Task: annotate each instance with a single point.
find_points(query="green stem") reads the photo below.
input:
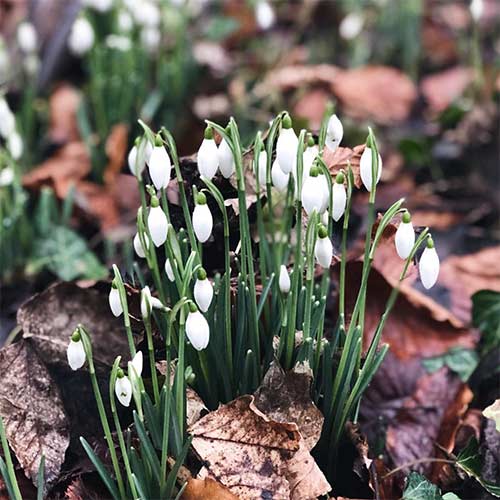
(8, 460)
(152, 365)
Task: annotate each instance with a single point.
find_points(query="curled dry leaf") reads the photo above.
(32, 411)
(341, 158)
(206, 489)
(116, 150)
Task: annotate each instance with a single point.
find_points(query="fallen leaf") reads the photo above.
(206, 489)
(311, 106)
(341, 158)
(63, 107)
(32, 411)
(116, 150)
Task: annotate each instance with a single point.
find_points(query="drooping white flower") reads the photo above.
(208, 155)
(323, 249)
(27, 38)
(15, 145)
(7, 119)
(226, 160)
(365, 168)
(81, 38)
(139, 250)
(203, 291)
(169, 270)
(124, 21)
(339, 197)
(324, 218)
(197, 329)
(262, 167)
(76, 352)
(284, 280)
(136, 364)
(6, 176)
(313, 193)
(334, 133)
(146, 13)
(146, 305)
(123, 388)
(264, 14)
(279, 178)
(476, 9)
(325, 200)
(405, 236)
(157, 223)
(202, 219)
(115, 304)
(351, 25)
(310, 154)
(286, 146)
(150, 38)
(139, 155)
(429, 265)
(119, 42)
(160, 167)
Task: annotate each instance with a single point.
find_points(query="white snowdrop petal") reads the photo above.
(203, 293)
(123, 390)
(202, 222)
(429, 267)
(197, 330)
(325, 193)
(339, 200)
(286, 150)
(15, 145)
(313, 195)
(145, 302)
(114, 302)
(139, 250)
(323, 251)
(226, 160)
(334, 133)
(284, 280)
(156, 303)
(208, 158)
(138, 156)
(150, 38)
(27, 37)
(262, 167)
(81, 37)
(365, 168)
(158, 225)
(137, 363)
(75, 354)
(324, 218)
(264, 14)
(404, 239)
(279, 178)
(7, 119)
(169, 271)
(159, 167)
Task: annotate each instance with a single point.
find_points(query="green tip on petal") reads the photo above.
(113, 284)
(406, 217)
(202, 274)
(76, 337)
(314, 172)
(209, 133)
(158, 140)
(119, 373)
(322, 231)
(137, 140)
(310, 140)
(155, 202)
(287, 121)
(340, 178)
(201, 199)
(430, 242)
(192, 307)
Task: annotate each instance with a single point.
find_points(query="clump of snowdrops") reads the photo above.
(221, 332)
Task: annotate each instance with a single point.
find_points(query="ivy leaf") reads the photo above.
(459, 360)
(419, 488)
(486, 316)
(493, 412)
(469, 460)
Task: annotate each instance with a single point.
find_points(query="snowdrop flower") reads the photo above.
(405, 236)
(7, 119)
(139, 249)
(150, 38)
(429, 265)
(119, 42)
(139, 155)
(262, 167)
(350, 27)
(339, 197)
(323, 249)
(99, 5)
(146, 305)
(286, 146)
(324, 218)
(202, 219)
(325, 199)
(313, 193)
(208, 155)
(26, 37)
(284, 280)
(76, 352)
(476, 9)
(169, 270)
(123, 388)
(365, 168)
(15, 145)
(124, 21)
(160, 166)
(6, 176)
(226, 160)
(81, 38)
(197, 329)
(203, 291)
(308, 157)
(279, 178)
(334, 133)
(115, 304)
(157, 222)
(146, 13)
(264, 14)
(135, 366)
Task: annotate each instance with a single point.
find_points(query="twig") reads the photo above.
(416, 462)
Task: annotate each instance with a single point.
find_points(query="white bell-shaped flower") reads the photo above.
(334, 133)
(208, 155)
(169, 270)
(323, 249)
(157, 223)
(203, 291)
(81, 37)
(15, 145)
(313, 193)
(139, 250)
(202, 219)
(7, 119)
(350, 27)
(150, 38)
(146, 12)
(115, 304)
(365, 168)
(226, 160)
(137, 364)
(27, 38)
(324, 218)
(325, 200)
(339, 197)
(146, 305)
(262, 167)
(160, 167)
(279, 178)
(124, 21)
(476, 9)
(197, 329)
(284, 280)
(264, 14)
(138, 155)
(405, 236)
(429, 265)
(76, 352)
(123, 388)
(286, 146)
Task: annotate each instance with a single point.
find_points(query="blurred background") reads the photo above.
(76, 76)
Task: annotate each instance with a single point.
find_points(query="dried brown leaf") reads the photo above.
(206, 489)
(341, 158)
(63, 106)
(32, 411)
(116, 150)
